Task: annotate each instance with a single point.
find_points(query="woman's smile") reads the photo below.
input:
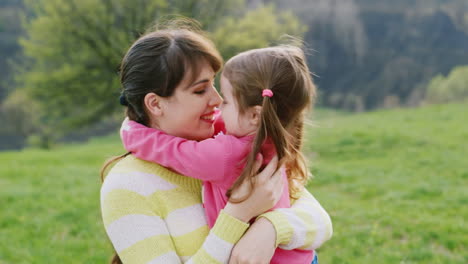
(208, 117)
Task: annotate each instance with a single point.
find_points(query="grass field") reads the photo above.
(394, 183)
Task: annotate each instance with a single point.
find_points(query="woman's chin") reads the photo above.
(203, 134)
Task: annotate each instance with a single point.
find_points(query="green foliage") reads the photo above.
(239, 34)
(452, 88)
(21, 117)
(10, 29)
(19, 114)
(75, 47)
(394, 183)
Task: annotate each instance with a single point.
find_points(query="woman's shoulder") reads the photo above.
(145, 177)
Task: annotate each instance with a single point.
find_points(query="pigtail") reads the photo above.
(281, 76)
(270, 128)
(296, 164)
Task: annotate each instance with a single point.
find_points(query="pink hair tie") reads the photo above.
(267, 92)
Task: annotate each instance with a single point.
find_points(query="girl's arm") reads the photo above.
(205, 160)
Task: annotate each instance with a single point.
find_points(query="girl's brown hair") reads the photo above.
(156, 63)
(283, 70)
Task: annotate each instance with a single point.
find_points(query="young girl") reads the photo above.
(266, 93)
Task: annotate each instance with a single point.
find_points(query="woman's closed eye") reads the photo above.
(199, 91)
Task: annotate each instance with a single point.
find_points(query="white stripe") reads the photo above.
(300, 231)
(216, 247)
(130, 229)
(179, 224)
(139, 182)
(318, 214)
(170, 257)
(319, 218)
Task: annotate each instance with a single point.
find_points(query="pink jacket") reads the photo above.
(217, 161)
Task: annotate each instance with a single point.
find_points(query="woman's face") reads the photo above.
(189, 112)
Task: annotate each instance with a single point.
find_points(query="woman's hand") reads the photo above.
(265, 194)
(257, 245)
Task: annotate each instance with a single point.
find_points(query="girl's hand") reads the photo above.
(257, 245)
(266, 193)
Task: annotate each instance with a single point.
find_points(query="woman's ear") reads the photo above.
(255, 113)
(153, 103)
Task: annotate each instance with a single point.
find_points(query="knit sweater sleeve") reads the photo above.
(206, 160)
(306, 225)
(144, 231)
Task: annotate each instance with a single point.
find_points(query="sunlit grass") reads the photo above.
(394, 183)
(50, 204)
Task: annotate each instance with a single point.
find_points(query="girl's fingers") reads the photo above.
(258, 162)
(276, 177)
(266, 173)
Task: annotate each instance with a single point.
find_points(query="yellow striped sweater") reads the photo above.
(153, 215)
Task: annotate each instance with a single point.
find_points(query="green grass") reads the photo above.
(50, 204)
(394, 183)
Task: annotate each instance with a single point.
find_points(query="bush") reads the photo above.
(452, 88)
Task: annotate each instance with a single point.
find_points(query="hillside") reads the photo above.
(392, 181)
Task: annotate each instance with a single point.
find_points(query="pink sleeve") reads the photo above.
(205, 160)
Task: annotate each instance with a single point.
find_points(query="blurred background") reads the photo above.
(388, 146)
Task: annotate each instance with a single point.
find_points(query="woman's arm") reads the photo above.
(306, 225)
(139, 233)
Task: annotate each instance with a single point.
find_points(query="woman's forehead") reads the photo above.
(202, 72)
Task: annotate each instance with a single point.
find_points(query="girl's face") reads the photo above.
(237, 124)
(189, 112)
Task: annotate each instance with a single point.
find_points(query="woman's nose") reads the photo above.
(216, 99)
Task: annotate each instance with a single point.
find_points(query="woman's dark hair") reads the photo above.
(158, 61)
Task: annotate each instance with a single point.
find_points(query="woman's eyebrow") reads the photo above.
(198, 82)
(201, 81)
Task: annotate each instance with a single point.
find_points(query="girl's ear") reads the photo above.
(255, 113)
(153, 104)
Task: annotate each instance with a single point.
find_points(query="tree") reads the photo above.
(73, 48)
(452, 88)
(236, 34)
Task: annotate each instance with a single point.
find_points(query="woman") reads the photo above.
(154, 215)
